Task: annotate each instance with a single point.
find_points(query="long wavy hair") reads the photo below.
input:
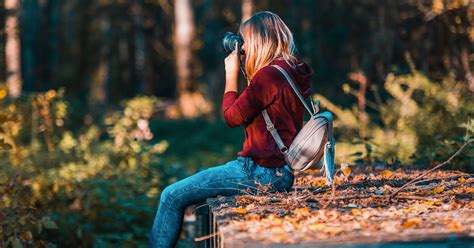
(267, 38)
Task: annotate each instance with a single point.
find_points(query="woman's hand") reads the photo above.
(232, 70)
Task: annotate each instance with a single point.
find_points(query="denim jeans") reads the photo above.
(239, 176)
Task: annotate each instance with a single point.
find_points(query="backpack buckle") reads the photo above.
(329, 145)
(270, 127)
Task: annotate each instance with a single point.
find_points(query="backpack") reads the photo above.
(313, 142)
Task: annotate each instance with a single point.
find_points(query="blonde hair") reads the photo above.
(267, 38)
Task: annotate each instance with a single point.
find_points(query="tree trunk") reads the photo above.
(183, 35)
(247, 8)
(100, 84)
(139, 42)
(29, 48)
(191, 103)
(52, 46)
(12, 48)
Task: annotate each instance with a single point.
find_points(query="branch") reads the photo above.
(434, 168)
(206, 236)
(333, 193)
(362, 196)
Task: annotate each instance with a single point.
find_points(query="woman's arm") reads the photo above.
(261, 92)
(231, 70)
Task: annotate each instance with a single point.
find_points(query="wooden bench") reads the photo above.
(235, 222)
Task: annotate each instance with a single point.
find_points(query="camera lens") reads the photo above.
(229, 40)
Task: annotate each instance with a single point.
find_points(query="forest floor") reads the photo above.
(363, 206)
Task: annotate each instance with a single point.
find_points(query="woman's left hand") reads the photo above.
(232, 62)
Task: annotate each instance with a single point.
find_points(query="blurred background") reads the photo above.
(104, 103)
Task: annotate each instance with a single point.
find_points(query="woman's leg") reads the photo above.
(234, 177)
(228, 179)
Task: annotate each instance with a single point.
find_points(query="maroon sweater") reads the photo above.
(269, 89)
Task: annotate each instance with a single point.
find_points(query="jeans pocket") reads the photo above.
(279, 179)
(284, 180)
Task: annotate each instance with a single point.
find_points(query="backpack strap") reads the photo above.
(274, 132)
(290, 81)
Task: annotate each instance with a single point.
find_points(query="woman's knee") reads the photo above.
(168, 194)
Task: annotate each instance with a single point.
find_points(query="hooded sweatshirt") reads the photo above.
(269, 90)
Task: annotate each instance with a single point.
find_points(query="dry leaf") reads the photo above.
(346, 169)
(27, 235)
(438, 190)
(356, 211)
(386, 174)
(455, 226)
(317, 227)
(411, 223)
(251, 217)
(250, 206)
(334, 230)
(239, 210)
(318, 183)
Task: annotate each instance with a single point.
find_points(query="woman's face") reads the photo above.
(244, 46)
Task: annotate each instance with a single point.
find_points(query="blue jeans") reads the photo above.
(231, 178)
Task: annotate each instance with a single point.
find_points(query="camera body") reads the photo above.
(229, 40)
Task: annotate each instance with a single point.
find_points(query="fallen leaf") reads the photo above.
(317, 227)
(251, 217)
(239, 210)
(411, 223)
(438, 190)
(318, 183)
(346, 170)
(301, 212)
(356, 211)
(386, 174)
(250, 206)
(455, 226)
(334, 230)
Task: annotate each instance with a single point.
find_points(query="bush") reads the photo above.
(422, 122)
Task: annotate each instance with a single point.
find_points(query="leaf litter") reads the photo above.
(360, 207)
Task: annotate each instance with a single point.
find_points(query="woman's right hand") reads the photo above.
(232, 63)
(231, 70)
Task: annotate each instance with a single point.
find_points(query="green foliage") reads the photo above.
(20, 224)
(422, 122)
(100, 182)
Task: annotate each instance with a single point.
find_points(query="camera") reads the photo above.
(229, 40)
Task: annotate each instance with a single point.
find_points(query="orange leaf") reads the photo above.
(335, 230)
(316, 227)
(250, 206)
(346, 169)
(455, 226)
(239, 210)
(318, 183)
(251, 217)
(386, 174)
(356, 211)
(411, 223)
(438, 190)
(27, 235)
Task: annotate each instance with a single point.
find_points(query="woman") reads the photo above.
(267, 41)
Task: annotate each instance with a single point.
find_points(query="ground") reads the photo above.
(360, 208)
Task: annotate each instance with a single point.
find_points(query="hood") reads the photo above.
(301, 74)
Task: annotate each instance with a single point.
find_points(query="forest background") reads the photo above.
(104, 103)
